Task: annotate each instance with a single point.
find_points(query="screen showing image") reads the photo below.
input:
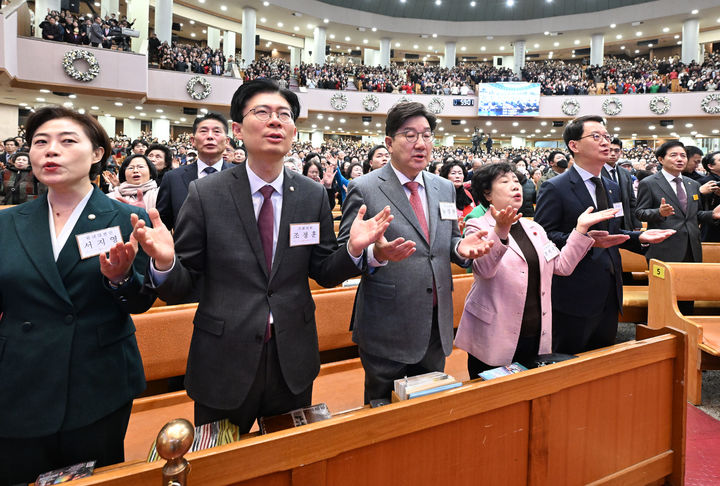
(508, 99)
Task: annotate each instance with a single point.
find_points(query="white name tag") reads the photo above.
(550, 251)
(448, 210)
(618, 205)
(304, 234)
(96, 242)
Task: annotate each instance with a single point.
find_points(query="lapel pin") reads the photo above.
(91, 217)
(292, 188)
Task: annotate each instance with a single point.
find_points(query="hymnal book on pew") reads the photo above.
(425, 384)
(502, 371)
(70, 473)
(208, 435)
(294, 418)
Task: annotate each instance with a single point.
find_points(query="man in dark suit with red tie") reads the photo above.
(254, 233)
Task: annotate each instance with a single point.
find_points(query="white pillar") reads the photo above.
(303, 137)
(249, 16)
(131, 128)
(229, 44)
(517, 142)
(163, 20)
(319, 46)
(295, 55)
(448, 140)
(41, 8)
(307, 50)
(690, 46)
(518, 56)
(317, 138)
(140, 11)
(108, 123)
(161, 129)
(597, 49)
(370, 57)
(213, 38)
(449, 55)
(108, 7)
(9, 121)
(384, 59)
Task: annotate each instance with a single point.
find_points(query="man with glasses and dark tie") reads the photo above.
(403, 317)
(251, 237)
(586, 303)
(670, 200)
(622, 178)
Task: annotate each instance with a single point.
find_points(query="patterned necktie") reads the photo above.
(601, 200)
(417, 206)
(681, 194)
(209, 170)
(612, 174)
(266, 220)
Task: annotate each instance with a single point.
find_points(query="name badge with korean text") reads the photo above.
(550, 251)
(302, 234)
(96, 242)
(620, 213)
(448, 211)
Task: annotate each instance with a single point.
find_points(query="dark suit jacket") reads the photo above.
(560, 201)
(710, 231)
(394, 305)
(217, 237)
(650, 191)
(627, 194)
(174, 189)
(68, 354)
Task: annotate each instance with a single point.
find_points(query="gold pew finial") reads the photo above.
(173, 441)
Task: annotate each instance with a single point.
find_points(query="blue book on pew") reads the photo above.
(430, 391)
(502, 371)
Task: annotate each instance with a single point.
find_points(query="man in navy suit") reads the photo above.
(209, 138)
(586, 303)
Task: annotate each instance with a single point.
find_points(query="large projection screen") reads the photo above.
(508, 99)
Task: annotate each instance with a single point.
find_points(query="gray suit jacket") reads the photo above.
(627, 195)
(96, 33)
(217, 237)
(650, 191)
(394, 304)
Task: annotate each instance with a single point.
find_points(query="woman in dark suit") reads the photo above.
(69, 362)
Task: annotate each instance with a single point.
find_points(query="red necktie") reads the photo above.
(417, 206)
(265, 227)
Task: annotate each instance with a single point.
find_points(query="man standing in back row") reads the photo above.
(403, 316)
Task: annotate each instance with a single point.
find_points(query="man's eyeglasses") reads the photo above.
(599, 136)
(412, 136)
(263, 113)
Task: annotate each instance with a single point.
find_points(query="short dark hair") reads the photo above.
(311, 156)
(662, 151)
(709, 160)
(552, 155)
(574, 129)
(257, 86)
(483, 179)
(691, 150)
(19, 154)
(310, 163)
(164, 149)
(616, 141)
(352, 166)
(130, 158)
(138, 142)
(94, 131)
(210, 116)
(445, 169)
(11, 139)
(401, 112)
(372, 151)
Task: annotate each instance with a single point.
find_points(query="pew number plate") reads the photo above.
(658, 271)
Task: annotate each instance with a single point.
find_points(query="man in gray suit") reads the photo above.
(622, 178)
(96, 33)
(403, 317)
(254, 233)
(669, 200)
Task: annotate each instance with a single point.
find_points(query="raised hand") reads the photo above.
(666, 209)
(116, 265)
(656, 235)
(111, 179)
(138, 203)
(364, 232)
(328, 177)
(504, 219)
(474, 246)
(588, 218)
(603, 239)
(156, 241)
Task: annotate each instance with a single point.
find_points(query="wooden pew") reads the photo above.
(612, 416)
(5, 206)
(670, 282)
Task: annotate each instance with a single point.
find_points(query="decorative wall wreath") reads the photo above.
(371, 102)
(436, 105)
(403, 99)
(612, 106)
(711, 104)
(68, 63)
(660, 105)
(571, 107)
(339, 101)
(201, 94)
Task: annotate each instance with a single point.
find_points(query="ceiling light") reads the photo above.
(638, 33)
(637, 51)
(342, 120)
(463, 48)
(192, 34)
(547, 32)
(556, 44)
(676, 36)
(203, 111)
(622, 48)
(327, 127)
(415, 46)
(263, 19)
(716, 131)
(131, 117)
(374, 29)
(472, 4)
(397, 44)
(576, 41)
(296, 28)
(365, 41)
(280, 24)
(510, 3)
(81, 111)
(515, 124)
(694, 132)
(617, 129)
(94, 107)
(502, 48)
(670, 127)
(44, 90)
(612, 26)
(192, 22)
(679, 43)
(694, 11)
(223, 8)
(159, 110)
(688, 125)
(310, 26)
(651, 127)
(619, 36)
(108, 115)
(438, 2)
(378, 125)
(117, 103)
(347, 38)
(331, 118)
(72, 96)
(434, 36)
(543, 124)
(143, 114)
(488, 123)
(67, 104)
(522, 131)
(494, 130)
(325, 21)
(666, 29)
(182, 119)
(320, 116)
(40, 99)
(266, 4)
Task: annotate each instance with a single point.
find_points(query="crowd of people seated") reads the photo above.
(189, 58)
(96, 31)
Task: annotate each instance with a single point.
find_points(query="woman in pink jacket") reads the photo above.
(507, 315)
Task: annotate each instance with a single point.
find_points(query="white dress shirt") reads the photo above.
(202, 165)
(58, 242)
(671, 179)
(590, 185)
